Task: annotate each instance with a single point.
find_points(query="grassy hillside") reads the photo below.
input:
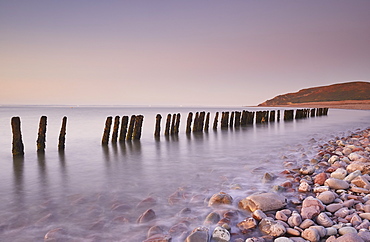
(336, 92)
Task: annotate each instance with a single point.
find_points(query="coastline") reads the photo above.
(349, 104)
(325, 199)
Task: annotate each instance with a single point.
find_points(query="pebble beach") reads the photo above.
(324, 199)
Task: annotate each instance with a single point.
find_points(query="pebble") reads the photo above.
(295, 219)
(263, 201)
(306, 223)
(347, 230)
(365, 216)
(336, 183)
(220, 199)
(339, 173)
(283, 239)
(311, 235)
(324, 220)
(326, 197)
(351, 237)
(198, 234)
(311, 207)
(321, 178)
(271, 227)
(221, 234)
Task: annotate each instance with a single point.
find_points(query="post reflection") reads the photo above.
(18, 169)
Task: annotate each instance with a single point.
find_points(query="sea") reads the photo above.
(95, 192)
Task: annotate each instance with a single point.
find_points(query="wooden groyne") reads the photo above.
(131, 129)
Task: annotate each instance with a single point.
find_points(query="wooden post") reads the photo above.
(115, 129)
(258, 117)
(326, 110)
(313, 112)
(250, 117)
(201, 121)
(131, 127)
(278, 116)
(123, 132)
(232, 119)
(196, 122)
(138, 127)
(272, 116)
(62, 135)
(108, 124)
(173, 123)
(243, 121)
(206, 126)
(215, 121)
(18, 148)
(177, 124)
(237, 118)
(288, 114)
(225, 120)
(168, 124)
(157, 131)
(41, 137)
(188, 122)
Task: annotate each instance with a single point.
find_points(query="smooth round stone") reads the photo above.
(311, 235)
(259, 215)
(304, 187)
(326, 197)
(365, 216)
(343, 212)
(333, 159)
(283, 239)
(320, 229)
(340, 173)
(333, 207)
(293, 232)
(307, 170)
(306, 224)
(351, 237)
(324, 220)
(336, 183)
(271, 227)
(331, 231)
(263, 202)
(220, 199)
(347, 230)
(295, 219)
(221, 234)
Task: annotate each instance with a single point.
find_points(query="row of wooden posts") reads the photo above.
(18, 147)
(132, 130)
(201, 122)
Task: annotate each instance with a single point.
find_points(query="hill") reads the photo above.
(332, 93)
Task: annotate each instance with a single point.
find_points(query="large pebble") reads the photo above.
(360, 181)
(311, 235)
(347, 230)
(220, 199)
(295, 219)
(324, 220)
(306, 224)
(336, 184)
(339, 173)
(307, 170)
(283, 239)
(363, 167)
(147, 216)
(365, 216)
(198, 235)
(311, 207)
(246, 224)
(352, 175)
(221, 234)
(351, 237)
(212, 218)
(334, 207)
(320, 178)
(326, 197)
(263, 202)
(271, 227)
(259, 215)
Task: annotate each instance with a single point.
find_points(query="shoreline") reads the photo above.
(349, 104)
(325, 199)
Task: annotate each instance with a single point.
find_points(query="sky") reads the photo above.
(193, 52)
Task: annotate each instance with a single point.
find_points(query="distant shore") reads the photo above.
(349, 104)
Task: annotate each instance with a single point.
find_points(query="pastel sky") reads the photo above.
(173, 52)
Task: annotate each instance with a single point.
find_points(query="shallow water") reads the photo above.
(91, 192)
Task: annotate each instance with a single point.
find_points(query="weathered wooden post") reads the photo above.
(225, 120)
(168, 124)
(196, 122)
(108, 124)
(188, 122)
(62, 135)
(177, 123)
(313, 112)
(157, 131)
(136, 135)
(173, 123)
(278, 116)
(115, 129)
(237, 118)
(123, 132)
(215, 121)
(131, 127)
(18, 148)
(258, 117)
(250, 117)
(201, 121)
(272, 116)
(288, 114)
(206, 125)
(41, 137)
(299, 114)
(232, 119)
(326, 110)
(243, 120)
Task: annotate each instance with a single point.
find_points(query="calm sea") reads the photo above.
(95, 193)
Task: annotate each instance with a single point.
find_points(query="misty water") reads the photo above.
(95, 193)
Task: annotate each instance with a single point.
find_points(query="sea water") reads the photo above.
(92, 192)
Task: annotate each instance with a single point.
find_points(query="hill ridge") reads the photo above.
(357, 90)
